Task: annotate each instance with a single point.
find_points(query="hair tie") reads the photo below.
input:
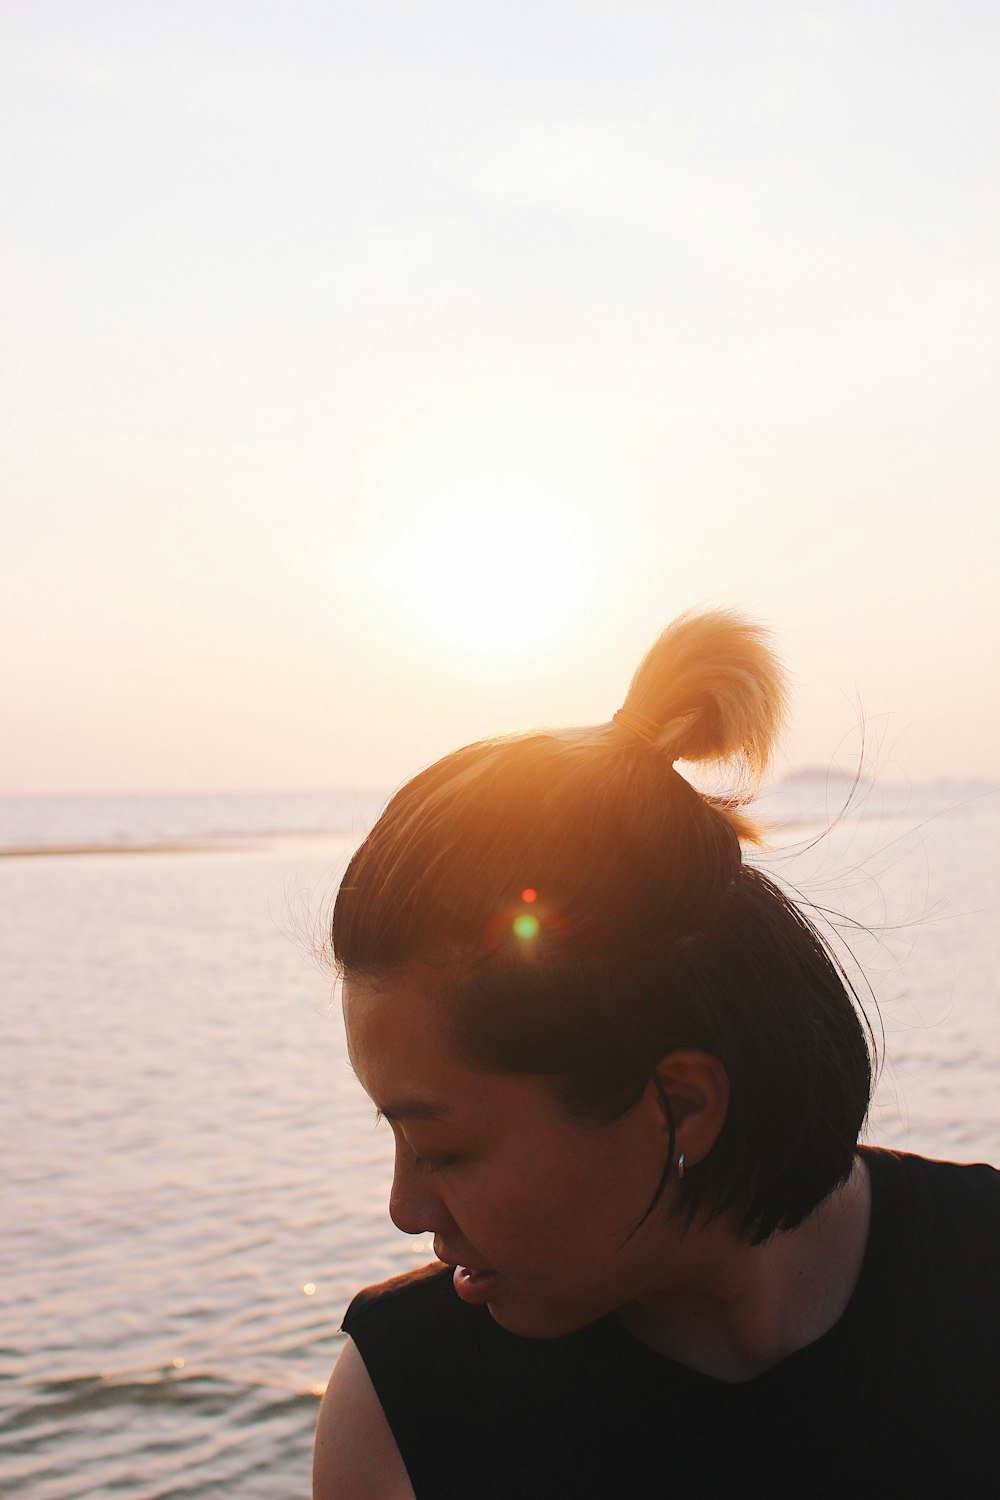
(638, 724)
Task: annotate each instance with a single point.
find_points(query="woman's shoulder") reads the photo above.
(416, 1293)
(972, 1185)
(391, 1326)
(416, 1355)
(941, 1219)
(394, 1321)
(355, 1452)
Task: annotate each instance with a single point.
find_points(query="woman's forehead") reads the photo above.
(407, 1066)
(397, 1046)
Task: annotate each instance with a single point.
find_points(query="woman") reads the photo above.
(626, 1082)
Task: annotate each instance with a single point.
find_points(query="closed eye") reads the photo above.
(431, 1164)
(426, 1164)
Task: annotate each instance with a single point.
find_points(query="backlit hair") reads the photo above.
(580, 910)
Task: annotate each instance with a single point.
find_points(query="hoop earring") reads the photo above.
(680, 1167)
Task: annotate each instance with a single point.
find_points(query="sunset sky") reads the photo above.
(382, 375)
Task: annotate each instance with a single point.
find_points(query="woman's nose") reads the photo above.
(414, 1207)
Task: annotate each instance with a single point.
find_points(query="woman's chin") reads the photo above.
(536, 1320)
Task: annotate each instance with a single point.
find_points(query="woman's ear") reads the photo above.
(697, 1086)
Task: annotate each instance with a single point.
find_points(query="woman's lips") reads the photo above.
(476, 1287)
(474, 1284)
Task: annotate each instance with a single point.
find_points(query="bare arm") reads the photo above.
(355, 1457)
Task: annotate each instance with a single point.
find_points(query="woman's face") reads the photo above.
(542, 1204)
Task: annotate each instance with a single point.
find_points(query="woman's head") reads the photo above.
(538, 1204)
(583, 913)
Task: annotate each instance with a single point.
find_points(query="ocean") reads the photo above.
(193, 1183)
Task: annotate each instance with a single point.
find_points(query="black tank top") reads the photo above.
(900, 1398)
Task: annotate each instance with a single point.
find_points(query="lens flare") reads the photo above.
(526, 926)
(529, 894)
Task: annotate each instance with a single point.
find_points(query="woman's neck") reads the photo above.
(746, 1307)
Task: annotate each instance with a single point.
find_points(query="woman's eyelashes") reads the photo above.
(431, 1164)
(426, 1162)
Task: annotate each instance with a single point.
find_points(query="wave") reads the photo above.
(201, 1392)
(157, 1435)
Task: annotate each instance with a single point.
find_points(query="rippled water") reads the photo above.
(193, 1187)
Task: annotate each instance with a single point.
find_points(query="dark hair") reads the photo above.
(582, 911)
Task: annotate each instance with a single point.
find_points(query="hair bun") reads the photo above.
(712, 686)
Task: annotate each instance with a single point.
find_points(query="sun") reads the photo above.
(492, 568)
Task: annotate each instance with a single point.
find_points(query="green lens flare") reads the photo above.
(526, 926)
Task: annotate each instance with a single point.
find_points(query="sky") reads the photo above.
(380, 376)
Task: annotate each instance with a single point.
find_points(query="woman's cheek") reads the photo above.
(489, 1211)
